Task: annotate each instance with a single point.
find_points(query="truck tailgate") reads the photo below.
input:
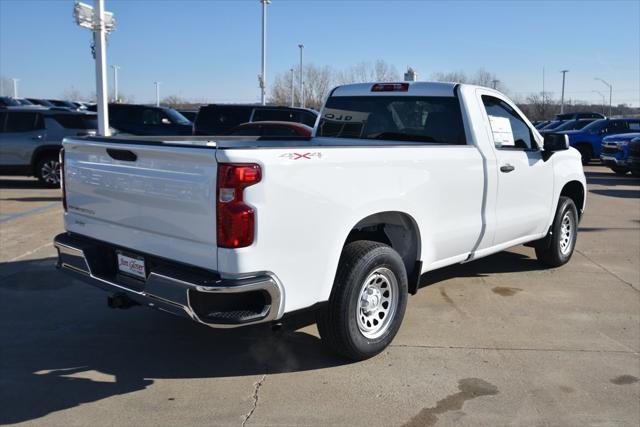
(155, 199)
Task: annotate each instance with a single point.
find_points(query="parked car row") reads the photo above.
(621, 153)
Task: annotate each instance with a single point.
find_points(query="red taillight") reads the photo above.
(235, 219)
(62, 187)
(390, 87)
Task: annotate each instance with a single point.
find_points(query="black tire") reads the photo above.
(554, 250)
(362, 264)
(586, 152)
(619, 171)
(48, 171)
(635, 173)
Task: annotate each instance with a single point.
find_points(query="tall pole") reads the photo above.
(610, 92)
(15, 87)
(263, 75)
(157, 93)
(101, 68)
(543, 96)
(292, 88)
(301, 82)
(494, 82)
(599, 93)
(115, 82)
(564, 72)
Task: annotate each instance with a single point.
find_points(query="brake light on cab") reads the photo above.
(235, 219)
(390, 87)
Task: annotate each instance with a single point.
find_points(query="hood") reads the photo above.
(621, 137)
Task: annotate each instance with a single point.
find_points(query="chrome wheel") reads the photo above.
(377, 303)
(566, 233)
(50, 172)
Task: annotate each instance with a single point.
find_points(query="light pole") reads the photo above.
(600, 93)
(495, 83)
(564, 72)
(100, 23)
(15, 87)
(157, 93)
(115, 82)
(301, 82)
(610, 92)
(292, 89)
(263, 76)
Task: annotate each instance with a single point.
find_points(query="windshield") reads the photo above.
(176, 117)
(400, 118)
(594, 126)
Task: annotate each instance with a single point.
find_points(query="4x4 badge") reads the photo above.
(298, 156)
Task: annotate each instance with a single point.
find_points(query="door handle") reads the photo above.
(507, 168)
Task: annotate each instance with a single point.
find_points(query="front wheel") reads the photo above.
(556, 249)
(367, 302)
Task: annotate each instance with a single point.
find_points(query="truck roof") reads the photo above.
(414, 89)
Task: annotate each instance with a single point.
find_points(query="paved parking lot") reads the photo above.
(496, 342)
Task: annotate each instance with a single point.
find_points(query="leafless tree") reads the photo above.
(380, 71)
(6, 86)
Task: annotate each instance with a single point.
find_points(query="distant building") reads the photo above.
(410, 75)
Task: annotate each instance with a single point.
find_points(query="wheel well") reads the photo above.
(586, 145)
(575, 191)
(398, 230)
(42, 152)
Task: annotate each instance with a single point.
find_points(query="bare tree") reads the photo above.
(317, 83)
(73, 94)
(6, 86)
(363, 72)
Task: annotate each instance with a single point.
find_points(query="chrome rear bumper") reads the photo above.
(201, 295)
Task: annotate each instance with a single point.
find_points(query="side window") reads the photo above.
(633, 126)
(508, 128)
(617, 127)
(21, 122)
(151, 117)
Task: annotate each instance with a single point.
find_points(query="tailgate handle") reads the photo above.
(124, 155)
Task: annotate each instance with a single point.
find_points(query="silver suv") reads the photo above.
(31, 138)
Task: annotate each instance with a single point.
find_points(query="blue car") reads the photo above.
(588, 140)
(615, 152)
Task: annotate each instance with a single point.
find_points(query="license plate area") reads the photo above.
(131, 265)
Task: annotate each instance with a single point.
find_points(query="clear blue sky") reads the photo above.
(210, 50)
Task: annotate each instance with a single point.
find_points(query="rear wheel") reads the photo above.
(556, 249)
(367, 302)
(48, 170)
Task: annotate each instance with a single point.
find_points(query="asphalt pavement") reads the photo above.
(499, 341)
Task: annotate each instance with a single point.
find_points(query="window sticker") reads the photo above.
(502, 133)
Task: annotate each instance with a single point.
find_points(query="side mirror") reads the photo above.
(554, 142)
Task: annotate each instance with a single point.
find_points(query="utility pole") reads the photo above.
(301, 82)
(292, 88)
(157, 93)
(100, 23)
(115, 83)
(495, 83)
(564, 72)
(263, 76)
(15, 87)
(610, 92)
(599, 93)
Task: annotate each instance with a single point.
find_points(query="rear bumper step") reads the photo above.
(176, 288)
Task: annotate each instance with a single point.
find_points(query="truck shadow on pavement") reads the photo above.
(62, 347)
(610, 179)
(20, 183)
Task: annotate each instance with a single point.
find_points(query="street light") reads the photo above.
(301, 46)
(495, 82)
(600, 93)
(157, 93)
(115, 82)
(610, 92)
(100, 23)
(262, 78)
(15, 87)
(564, 72)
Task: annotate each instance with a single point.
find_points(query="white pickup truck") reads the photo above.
(399, 179)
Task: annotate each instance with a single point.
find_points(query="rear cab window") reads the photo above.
(426, 119)
(77, 121)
